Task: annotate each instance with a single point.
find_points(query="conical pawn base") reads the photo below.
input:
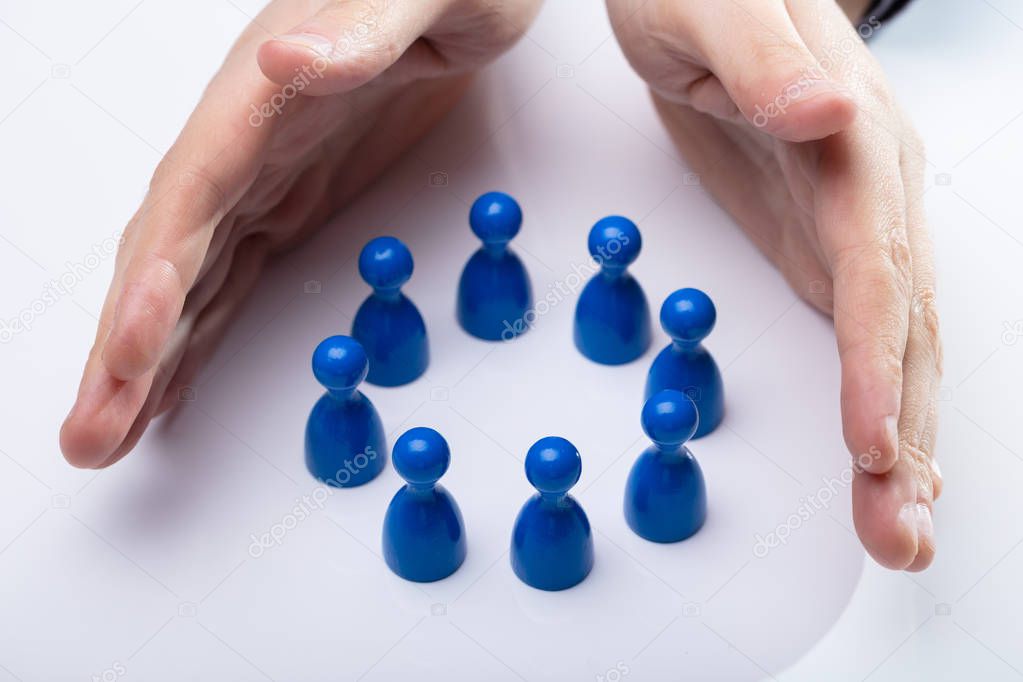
(423, 534)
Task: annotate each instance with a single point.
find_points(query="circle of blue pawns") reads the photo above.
(553, 465)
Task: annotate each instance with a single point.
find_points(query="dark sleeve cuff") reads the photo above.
(878, 13)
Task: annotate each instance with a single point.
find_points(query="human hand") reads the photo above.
(312, 102)
(789, 121)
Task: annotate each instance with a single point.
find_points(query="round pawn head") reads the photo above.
(553, 465)
(385, 263)
(688, 315)
(495, 218)
(339, 363)
(669, 418)
(421, 456)
(614, 241)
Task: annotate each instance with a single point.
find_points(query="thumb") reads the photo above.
(772, 76)
(347, 43)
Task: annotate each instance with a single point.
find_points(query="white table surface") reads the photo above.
(144, 572)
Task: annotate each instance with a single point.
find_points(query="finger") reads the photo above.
(893, 512)
(862, 224)
(146, 410)
(196, 340)
(923, 363)
(208, 167)
(214, 299)
(889, 521)
(102, 413)
(214, 320)
(348, 43)
(200, 179)
(722, 160)
(767, 70)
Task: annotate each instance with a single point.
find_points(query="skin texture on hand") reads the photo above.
(288, 131)
(789, 121)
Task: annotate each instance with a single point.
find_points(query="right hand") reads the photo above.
(790, 123)
(288, 131)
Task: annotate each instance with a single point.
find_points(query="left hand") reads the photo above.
(790, 123)
(315, 99)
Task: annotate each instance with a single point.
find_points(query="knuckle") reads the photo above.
(190, 190)
(888, 354)
(163, 289)
(898, 256)
(208, 191)
(883, 352)
(882, 268)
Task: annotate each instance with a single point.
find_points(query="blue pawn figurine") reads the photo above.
(388, 324)
(424, 537)
(665, 496)
(344, 438)
(494, 293)
(688, 316)
(612, 318)
(552, 548)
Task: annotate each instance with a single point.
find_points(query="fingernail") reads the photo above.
(936, 469)
(310, 41)
(891, 432)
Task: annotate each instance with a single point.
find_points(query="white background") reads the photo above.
(144, 570)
